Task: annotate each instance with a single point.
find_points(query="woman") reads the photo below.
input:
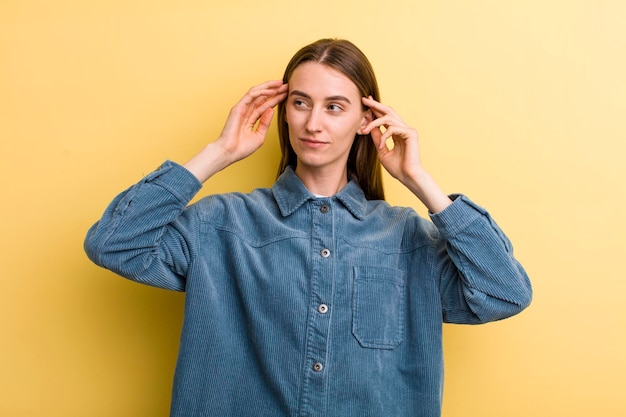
(314, 297)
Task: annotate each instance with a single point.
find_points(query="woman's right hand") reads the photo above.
(240, 138)
(244, 131)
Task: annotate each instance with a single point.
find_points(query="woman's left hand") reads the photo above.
(402, 159)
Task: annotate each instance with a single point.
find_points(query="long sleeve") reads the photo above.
(480, 279)
(145, 234)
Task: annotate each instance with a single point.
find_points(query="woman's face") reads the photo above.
(323, 112)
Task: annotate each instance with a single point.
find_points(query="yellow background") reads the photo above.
(519, 104)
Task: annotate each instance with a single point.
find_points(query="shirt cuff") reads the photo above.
(175, 178)
(457, 216)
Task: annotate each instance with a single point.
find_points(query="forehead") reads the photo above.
(317, 79)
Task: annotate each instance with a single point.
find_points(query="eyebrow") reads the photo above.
(330, 98)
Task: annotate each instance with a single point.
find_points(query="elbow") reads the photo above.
(91, 246)
(526, 299)
(136, 264)
(511, 299)
(500, 309)
(487, 308)
(523, 297)
(103, 252)
(481, 308)
(96, 248)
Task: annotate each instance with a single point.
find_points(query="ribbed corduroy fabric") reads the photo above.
(303, 306)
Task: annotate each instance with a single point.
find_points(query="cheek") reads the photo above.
(290, 121)
(291, 117)
(345, 129)
(292, 124)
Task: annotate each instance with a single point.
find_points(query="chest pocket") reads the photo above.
(378, 306)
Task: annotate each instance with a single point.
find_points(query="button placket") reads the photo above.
(322, 283)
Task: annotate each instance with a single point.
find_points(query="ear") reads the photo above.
(367, 118)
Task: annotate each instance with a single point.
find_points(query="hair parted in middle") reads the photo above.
(343, 56)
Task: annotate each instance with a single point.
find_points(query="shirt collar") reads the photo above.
(290, 193)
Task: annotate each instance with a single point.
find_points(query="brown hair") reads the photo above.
(345, 57)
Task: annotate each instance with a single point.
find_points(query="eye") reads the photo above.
(335, 107)
(300, 104)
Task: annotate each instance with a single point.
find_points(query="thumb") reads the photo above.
(264, 121)
(377, 138)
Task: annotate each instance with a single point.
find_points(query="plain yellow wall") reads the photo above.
(520, 105)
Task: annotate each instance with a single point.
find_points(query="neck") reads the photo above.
(320, 182)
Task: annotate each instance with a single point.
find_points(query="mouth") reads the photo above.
(314, 143)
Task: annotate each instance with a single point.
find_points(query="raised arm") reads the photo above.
(147, 232)
(402, 160)
(243, 133)
(479, 278)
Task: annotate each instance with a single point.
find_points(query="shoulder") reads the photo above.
(403, 222)
(235, 204)
(251, 217)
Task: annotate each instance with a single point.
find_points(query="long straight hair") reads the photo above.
(343, 56)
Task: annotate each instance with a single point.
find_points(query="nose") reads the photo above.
(313, 123)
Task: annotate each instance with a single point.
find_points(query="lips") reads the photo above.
(312, 142)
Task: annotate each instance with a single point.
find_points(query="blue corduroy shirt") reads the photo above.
(297, 305)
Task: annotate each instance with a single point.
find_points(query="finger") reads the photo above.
(399, 132)
(257, 101)
(261, 105)
(263, 91)
(264, 122)
(376, 123)
(377, 108)
(267, 90)
(384, 122)
(267, 85)
(385, 115)
(279, 95)
(389, 133)
(376, 135)
(271, 96)
(380, 137)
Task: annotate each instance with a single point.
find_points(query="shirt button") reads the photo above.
(324, 208)
(325, 253)
(317, 367)
(322, 309)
